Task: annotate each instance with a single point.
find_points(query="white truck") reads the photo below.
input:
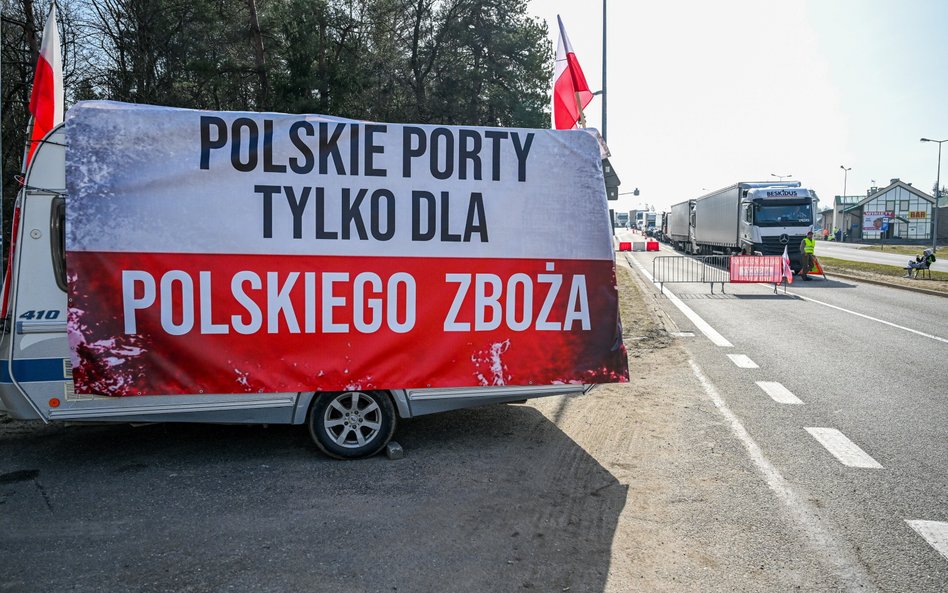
(752, 216)
(644, 220)
(36, 372)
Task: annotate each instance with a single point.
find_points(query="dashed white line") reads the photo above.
(779, 393)
(743, 361)
(833, 550)
(934, 532)
(847, 452)
(711, 333)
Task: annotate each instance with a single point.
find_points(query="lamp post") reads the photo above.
(780, 177)
(937, 195)
(604, 70)
(846, 171)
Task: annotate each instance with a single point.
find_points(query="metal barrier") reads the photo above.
(718, 269)
(710, 269)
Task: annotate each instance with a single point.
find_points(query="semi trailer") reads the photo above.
(680, 224)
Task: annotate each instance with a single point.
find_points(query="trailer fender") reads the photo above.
(305, 399)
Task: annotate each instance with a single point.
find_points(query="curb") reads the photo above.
(889, 284)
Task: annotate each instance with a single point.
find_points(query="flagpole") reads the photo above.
(579, 105)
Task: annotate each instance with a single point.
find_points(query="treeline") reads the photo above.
(483, 62)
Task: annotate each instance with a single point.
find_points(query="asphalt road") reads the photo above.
(866, 361)
(689, 478)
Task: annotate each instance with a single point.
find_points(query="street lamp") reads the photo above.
(780, 177)
(846, 171)
(604, 70)
(937, 195)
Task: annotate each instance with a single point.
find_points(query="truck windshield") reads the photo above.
(783, 215)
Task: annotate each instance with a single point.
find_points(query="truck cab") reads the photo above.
(775, 218)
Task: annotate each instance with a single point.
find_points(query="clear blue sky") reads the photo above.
(704, 94)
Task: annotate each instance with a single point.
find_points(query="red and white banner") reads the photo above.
(46, 100)
(214, 252)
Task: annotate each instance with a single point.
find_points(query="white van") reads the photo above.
(36, 375)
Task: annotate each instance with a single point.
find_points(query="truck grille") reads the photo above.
(773, 246)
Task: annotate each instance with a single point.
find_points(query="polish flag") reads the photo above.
(46, 102)
(571, 94)
(787, 270)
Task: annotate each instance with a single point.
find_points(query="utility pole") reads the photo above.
(604, 71)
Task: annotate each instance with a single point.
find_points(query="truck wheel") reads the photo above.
(351, 424)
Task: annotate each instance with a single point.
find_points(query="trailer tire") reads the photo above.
(351, 424)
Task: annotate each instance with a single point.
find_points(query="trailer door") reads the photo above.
(35, 375)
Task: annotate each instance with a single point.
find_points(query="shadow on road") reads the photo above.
(492, 499)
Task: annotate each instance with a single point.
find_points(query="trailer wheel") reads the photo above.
(351, 424)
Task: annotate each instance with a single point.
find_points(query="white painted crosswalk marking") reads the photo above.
(847, 452)
(934, 532)
(743, 361)
(778, 392)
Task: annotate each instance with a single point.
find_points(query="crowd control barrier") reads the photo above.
(717, 269)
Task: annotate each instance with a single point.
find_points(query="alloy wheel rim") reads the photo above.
(352, 419)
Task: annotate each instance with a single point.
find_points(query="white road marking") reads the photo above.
(705, 328)
(934, 532)
(870, 318)
(779, 393)
(834, 551)
(743, 361)
(847, 452)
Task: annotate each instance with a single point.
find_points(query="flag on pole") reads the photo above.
(46, 101)
(571, 93)
(787, 270)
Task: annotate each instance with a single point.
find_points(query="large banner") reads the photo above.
(213, 252)
(874, 221)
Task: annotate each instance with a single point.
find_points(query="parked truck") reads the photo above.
(749, 217)
(659, 226)
(644, 220)
(680, 225)
(663, 227)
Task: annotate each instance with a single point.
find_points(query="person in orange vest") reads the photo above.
(807, 247)
(826, 233)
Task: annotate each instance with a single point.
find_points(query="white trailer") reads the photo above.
(680, 224)
(36, 374)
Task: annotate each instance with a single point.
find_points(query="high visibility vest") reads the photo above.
(809, 245)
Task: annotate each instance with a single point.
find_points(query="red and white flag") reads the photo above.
(787, 270)
(46, 102)
(571, 93)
